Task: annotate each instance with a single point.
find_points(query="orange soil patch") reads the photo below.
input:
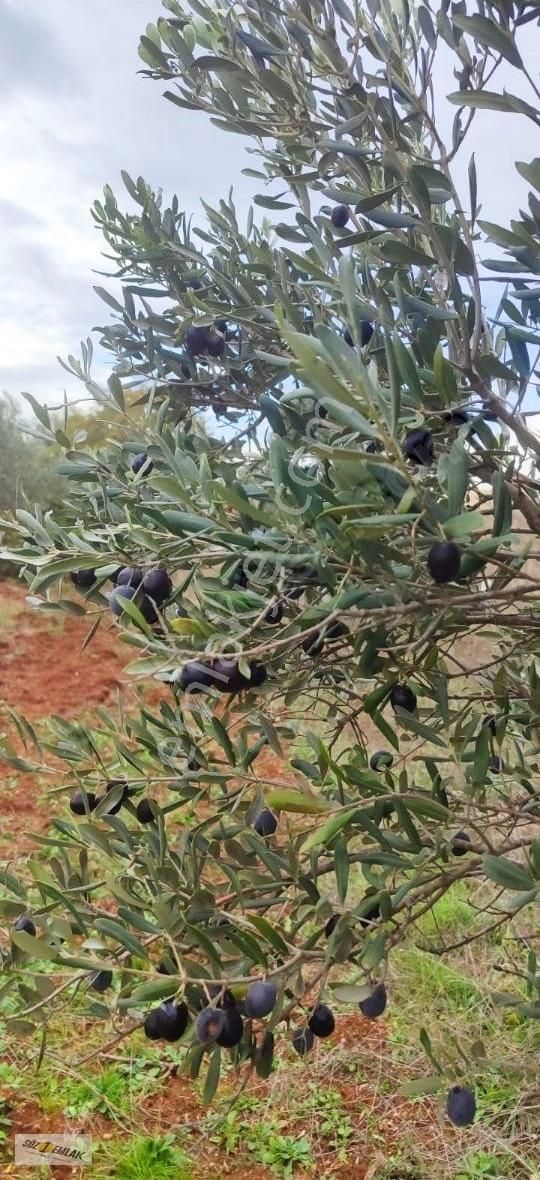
(44, 670)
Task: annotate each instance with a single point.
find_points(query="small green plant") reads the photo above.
(325, 1105)
(110, 1092)
(264, 1141)
(283, 1153)
(106, 1093)
(479, 1165)
(142, 1066)
(10, 1075)
(230, 1131)
(148, 1159)
(497, 1095)
(5, 1123)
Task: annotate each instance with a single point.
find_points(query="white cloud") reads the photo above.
(74, 112)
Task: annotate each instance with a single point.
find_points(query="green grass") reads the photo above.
(433, 981)
(322, 1106)
(482, 1165)
(112, 1092)
(143, 1158)
(453, 914)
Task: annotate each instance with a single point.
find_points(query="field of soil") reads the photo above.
(336, 1115)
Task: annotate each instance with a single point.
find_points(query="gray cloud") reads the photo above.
(75, 112)
(30, 54)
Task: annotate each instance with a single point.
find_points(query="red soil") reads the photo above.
(44, 670)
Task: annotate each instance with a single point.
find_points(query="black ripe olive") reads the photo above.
(157, 585)
(321, 1021)
(457, 417)
(444, 559)
(375, 1004)
(370, 914)
(115, 807)
(461, 1106)
(232, 1029)
(274, 614)
(129, 576)
(196, 340)
(265, 823)
(458, 843)
(261, 998)
(83, 579)
(240, 580)
(366, 332)
(139, 461)
(80, 802)
(133, 594)
(210, 1024)
(146, 811)
(215, 344)
(403, 697)
(303, 1041)
(222, 675)
(381, 760)
(340, 216)
(26, 924)
(331, 925)
(418, 447)
(100, 980)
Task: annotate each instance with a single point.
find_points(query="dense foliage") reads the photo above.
(324, 469)
(26, 472)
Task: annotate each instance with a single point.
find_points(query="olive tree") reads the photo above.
(26, 469)
(328, 488)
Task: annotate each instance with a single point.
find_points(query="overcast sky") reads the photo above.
(73, 113)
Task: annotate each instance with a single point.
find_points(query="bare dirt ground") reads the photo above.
(44, 672)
